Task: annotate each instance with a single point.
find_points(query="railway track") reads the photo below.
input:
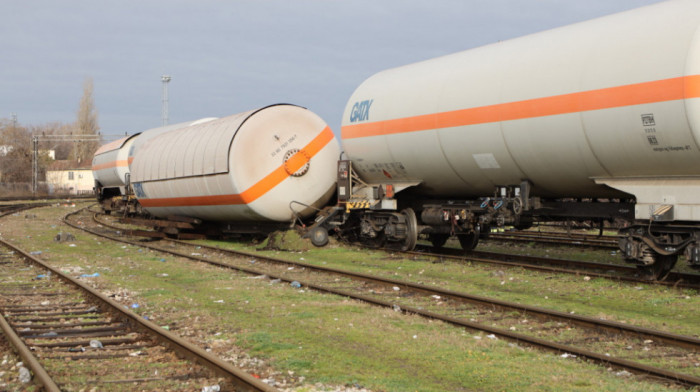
(89, 196)
(618, 272)
(568, 234)
(646, 351)
(583, 240)
(72, 337)
(9, 209)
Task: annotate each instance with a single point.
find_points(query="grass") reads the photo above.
(335, 341)
(647, 305)
(591, 254)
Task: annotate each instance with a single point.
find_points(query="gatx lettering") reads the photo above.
(360, 111)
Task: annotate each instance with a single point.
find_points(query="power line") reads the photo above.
(63, 138)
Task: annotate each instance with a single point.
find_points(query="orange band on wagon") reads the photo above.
(109, 165)
(633, 94)
(293, 164)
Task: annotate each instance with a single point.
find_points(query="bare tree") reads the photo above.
(16, 150)
(86, 124)
(63, 149)
(15, 153)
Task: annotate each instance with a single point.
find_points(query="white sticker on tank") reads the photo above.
(486, 161)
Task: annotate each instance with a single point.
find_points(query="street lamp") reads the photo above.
(165, 79)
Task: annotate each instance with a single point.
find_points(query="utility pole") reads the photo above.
(35, 164)
(165, 79)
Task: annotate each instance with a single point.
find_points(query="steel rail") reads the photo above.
(680, 378)
(572, 235)
(607, 244)
(40, 374)
(680, 340)
(15, 208)
(557, 234)
(674, 279)
(58, 197)
(237, 377)
(677, 279)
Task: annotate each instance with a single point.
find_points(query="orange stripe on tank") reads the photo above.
(109, 165)
(607, 98)
(269, 182)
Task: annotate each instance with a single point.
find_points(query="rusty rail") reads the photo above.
(241, 380)
(679, 340)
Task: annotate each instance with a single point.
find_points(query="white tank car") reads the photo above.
(252, 166)
(153, 132)
(111, 162)
(110, 165)
(594, 109)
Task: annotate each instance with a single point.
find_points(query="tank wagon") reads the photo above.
(598, 120)
(111, 166)
(249, 172)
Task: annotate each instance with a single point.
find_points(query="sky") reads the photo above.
(230, 56)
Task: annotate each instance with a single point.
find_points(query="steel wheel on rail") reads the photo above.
(660, 268)
(411, 230)
(438, 239)
(469, 241)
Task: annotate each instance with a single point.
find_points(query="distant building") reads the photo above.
(4, 150)
(49, 153)
(70, 177)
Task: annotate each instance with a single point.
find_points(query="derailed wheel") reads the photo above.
(319, 236)
(660, 268)
(411, 230)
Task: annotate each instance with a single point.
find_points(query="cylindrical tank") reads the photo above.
(153, 132)
(615, 97)
(261, 165)
(111, 162)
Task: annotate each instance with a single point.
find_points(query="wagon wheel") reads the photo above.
(469, 241)
(438, 239)
(660, 268)
(411, 230)
(319, 236)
